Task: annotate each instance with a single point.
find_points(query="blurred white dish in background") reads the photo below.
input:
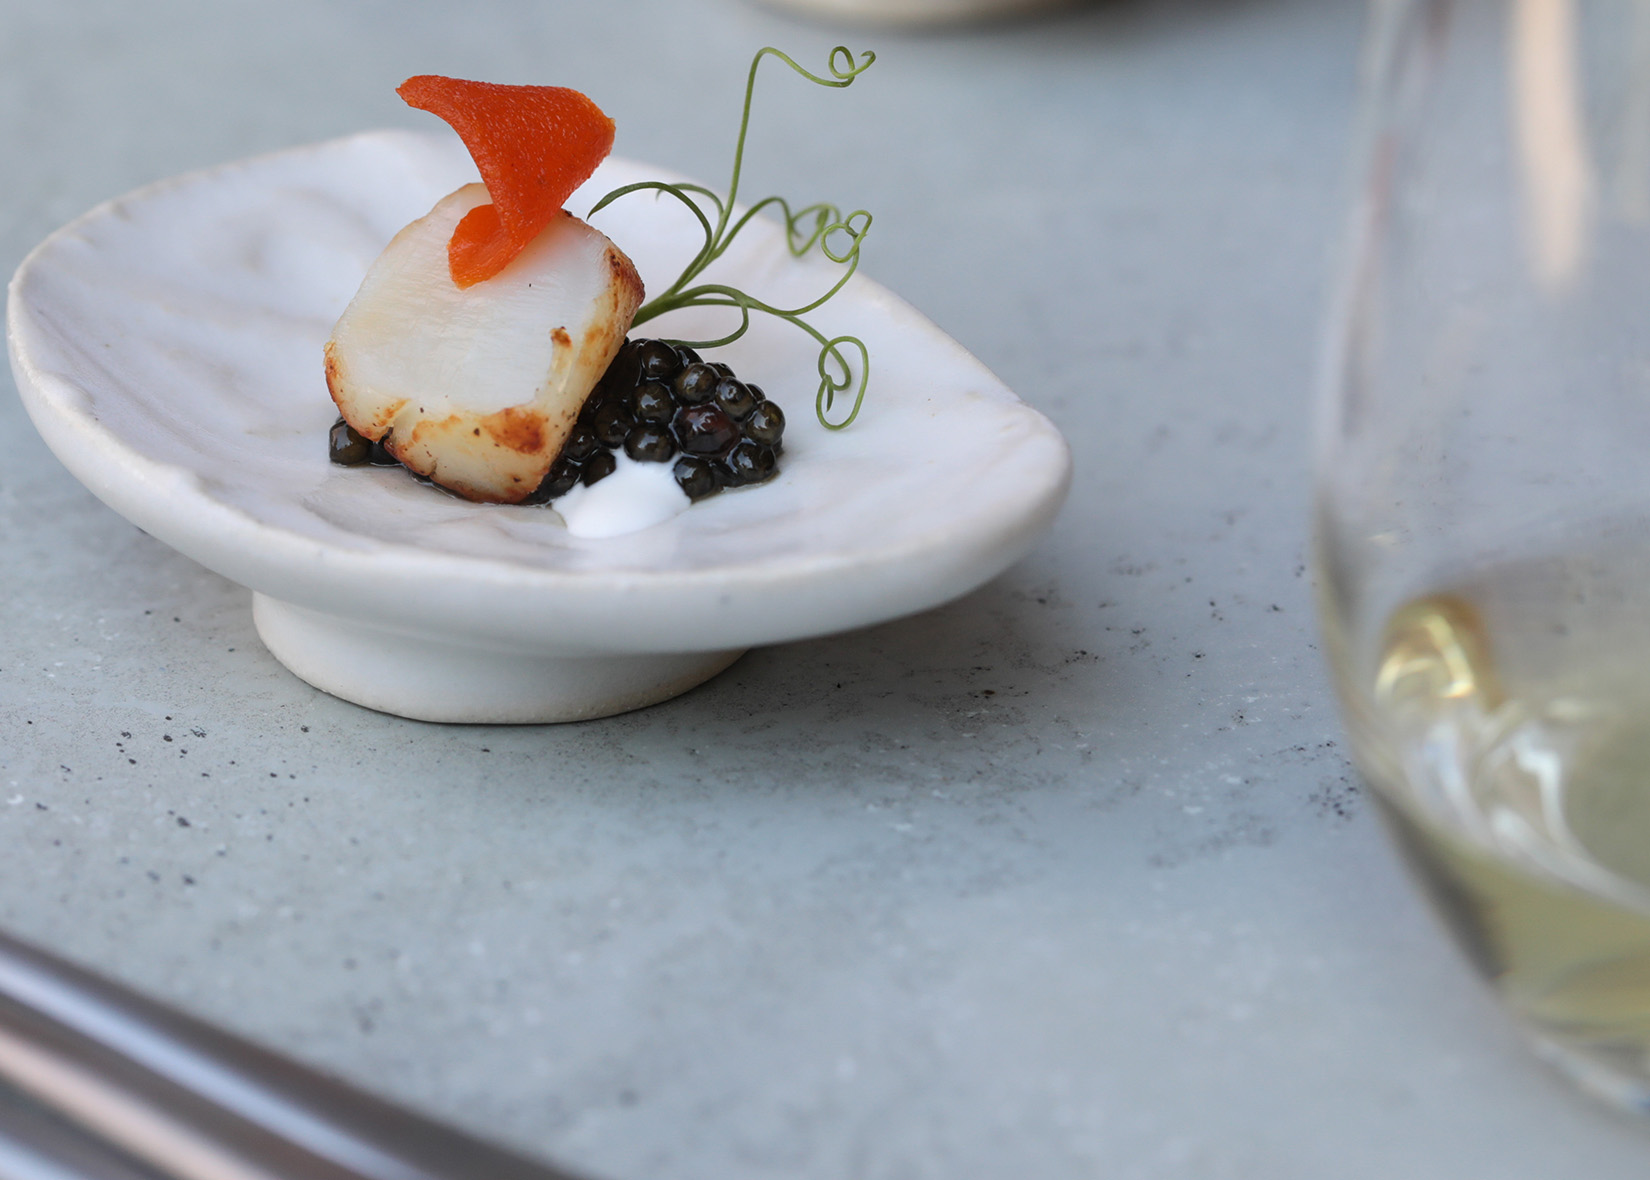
(168, 347)
(918, 12)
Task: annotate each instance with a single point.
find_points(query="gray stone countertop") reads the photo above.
(1070, 878)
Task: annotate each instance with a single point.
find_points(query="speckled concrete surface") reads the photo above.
(1066, 879)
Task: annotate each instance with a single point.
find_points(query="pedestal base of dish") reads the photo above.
(431, 679)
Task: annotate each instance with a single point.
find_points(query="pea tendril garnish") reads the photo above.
(823, 225)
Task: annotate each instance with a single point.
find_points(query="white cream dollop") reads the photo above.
(636, 496)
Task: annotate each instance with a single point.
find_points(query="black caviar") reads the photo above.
(659, 403)
(348, 447)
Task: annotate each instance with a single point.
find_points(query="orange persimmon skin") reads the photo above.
(533, 146)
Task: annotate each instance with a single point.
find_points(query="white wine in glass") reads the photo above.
(1483, 498)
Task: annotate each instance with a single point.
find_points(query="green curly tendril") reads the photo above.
(821, 225)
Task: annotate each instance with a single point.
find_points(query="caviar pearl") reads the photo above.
(704, 430)
(695, 384)
(581, 444)
(611, 424)
(346, 446)
(650, 443)
(380, 455)
(599, 466)
(652, 402)
(564, 473)
(696, 477)
(750, 463)
(734, 398)
(766, 424)
(658, 359)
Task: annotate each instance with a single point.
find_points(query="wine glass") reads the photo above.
(1483, 498)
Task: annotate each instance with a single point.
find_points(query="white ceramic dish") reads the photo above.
(167, 346)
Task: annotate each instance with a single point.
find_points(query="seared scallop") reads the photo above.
(478, 388)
